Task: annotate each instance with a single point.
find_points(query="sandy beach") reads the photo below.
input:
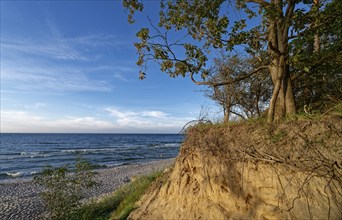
(20, 199)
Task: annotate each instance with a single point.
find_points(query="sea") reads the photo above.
(24, 155)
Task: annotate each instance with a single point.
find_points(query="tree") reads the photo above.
(317, 58)
(206, 26)
(244, 98)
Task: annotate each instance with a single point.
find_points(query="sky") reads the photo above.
(69, 67)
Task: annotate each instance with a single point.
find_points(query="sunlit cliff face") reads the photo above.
(241, 172)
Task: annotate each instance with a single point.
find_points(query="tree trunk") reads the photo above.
(257, 105)
(316, 36)
(282, 100)
(290, 105)
(227, 104)
(277, 103)
(226, 117)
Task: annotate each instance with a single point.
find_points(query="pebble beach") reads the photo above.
(20, 199)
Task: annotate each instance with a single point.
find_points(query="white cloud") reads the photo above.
(83, 123)
(21, 121)
(146, 119)
(124, 121)
(154, 114)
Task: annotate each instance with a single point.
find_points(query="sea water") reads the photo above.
(23, 155)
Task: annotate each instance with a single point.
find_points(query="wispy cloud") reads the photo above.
(49, 78)
(48, 49)
(124, 121)
(54, 45)
(21, 121)
(117, 71)
(146, 119)
(74, 49)
(53, 62)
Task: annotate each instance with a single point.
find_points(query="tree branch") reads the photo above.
(238, 114)
(230, 81)
(259, 2)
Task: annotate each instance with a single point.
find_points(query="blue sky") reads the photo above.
(69, 66)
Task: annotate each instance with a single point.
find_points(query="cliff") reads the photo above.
(253, 171)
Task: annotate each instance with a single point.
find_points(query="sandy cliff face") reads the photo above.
(253, 172)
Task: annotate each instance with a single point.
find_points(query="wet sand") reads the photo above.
(20, 199)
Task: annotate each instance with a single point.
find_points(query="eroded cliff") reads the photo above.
(252, 171)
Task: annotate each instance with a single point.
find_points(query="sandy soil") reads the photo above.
(20, 199)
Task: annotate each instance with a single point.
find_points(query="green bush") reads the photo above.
(62, 191)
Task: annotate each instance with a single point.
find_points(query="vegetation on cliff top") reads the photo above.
(254, 170)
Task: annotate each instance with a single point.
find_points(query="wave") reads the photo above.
(12, 174)
(77, 151)
(94, 150)
(24, 155)
(172, 145)
(17, 174)
(29, 153)
(165, 145)
(35, 154)
(21, 154)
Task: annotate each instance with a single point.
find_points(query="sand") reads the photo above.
(20, 199)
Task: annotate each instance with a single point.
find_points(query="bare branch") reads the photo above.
(238, 114)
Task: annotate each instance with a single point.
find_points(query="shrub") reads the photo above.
(63, 191)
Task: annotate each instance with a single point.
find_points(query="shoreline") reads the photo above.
(100, 168)
(20, 199)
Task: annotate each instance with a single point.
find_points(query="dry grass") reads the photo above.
(312, 145)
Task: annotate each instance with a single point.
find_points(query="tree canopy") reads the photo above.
(274, 33)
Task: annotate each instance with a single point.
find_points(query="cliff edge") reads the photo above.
(253, 170)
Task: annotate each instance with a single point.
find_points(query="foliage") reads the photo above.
(203, 21)
(277, 34)
(319, 83)
(63, 191)
(120, 203)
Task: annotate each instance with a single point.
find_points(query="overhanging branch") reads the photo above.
(230, 81)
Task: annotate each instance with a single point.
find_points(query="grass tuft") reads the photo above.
(121, 203)
(133, 193)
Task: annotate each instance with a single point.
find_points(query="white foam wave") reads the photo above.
(89, 150)
(32, 154)
(172, 145)
(14, 174)
(166, 145)
(29, 153)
